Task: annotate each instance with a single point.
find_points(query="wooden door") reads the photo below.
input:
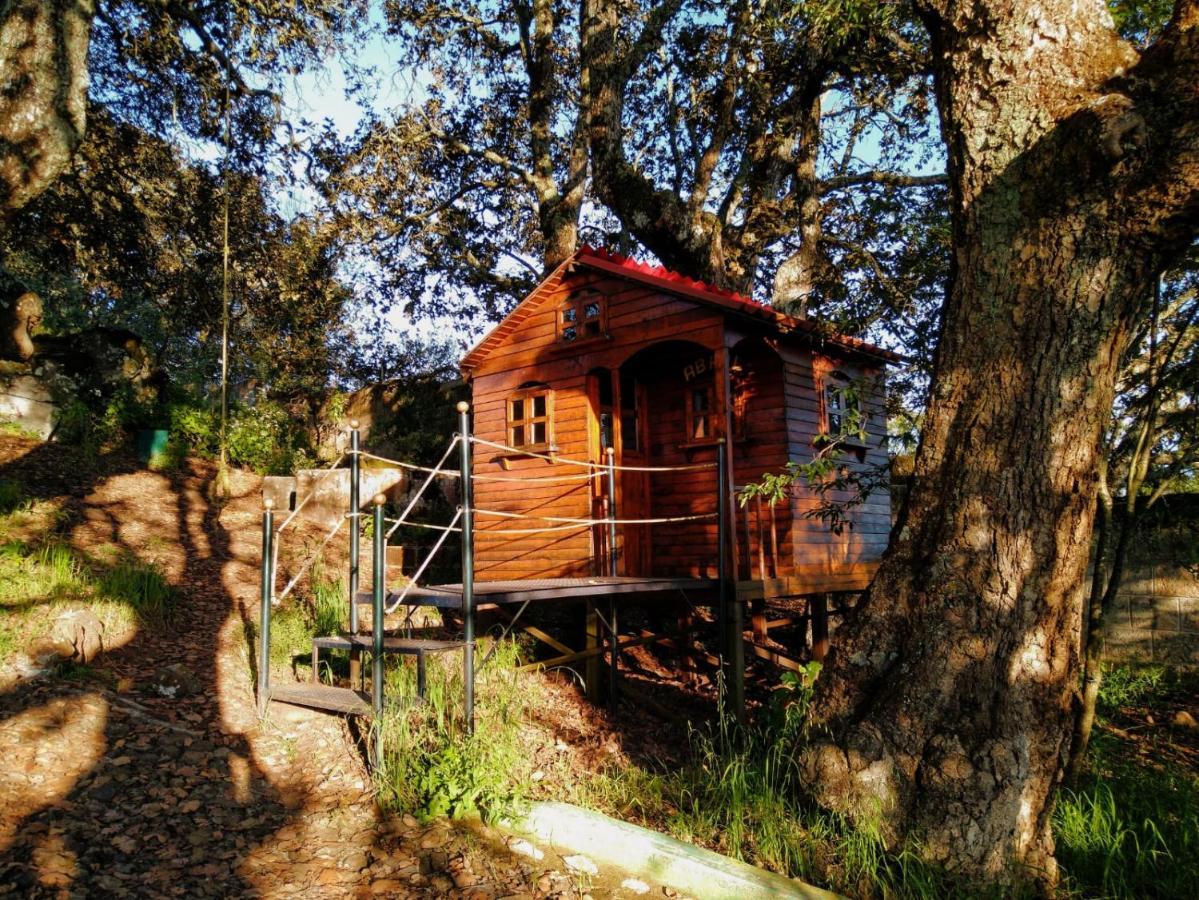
(633, 487)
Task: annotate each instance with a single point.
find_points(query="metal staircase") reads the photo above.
(356, 699)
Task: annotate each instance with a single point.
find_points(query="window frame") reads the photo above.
(690, 415)
(576, 306)
(834, 378)
(526, 396)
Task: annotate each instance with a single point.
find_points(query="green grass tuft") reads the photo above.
(141, 587)
(431, 767)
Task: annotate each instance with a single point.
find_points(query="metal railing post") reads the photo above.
(728, 599)
(468, 567)
(264, 622)
(722, 609)
(613, 634)
(355, 553)
(379, 575)
(355, 531)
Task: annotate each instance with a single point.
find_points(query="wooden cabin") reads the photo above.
(607, 351)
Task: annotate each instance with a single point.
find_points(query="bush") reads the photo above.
(264, 437)
(195, 427)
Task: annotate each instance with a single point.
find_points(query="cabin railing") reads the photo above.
(757, 538)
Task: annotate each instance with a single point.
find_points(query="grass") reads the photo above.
(12, 498)
(140, 587)
(431, 767)
(1129, 827)
(39, 574)
(324, 612)
(740, 792)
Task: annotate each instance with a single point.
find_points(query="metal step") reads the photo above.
(324, 697)
(391, 644)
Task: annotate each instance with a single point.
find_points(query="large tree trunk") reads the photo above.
(43, 93)
(946, 708)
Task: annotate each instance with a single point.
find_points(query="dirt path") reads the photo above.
(138, 781)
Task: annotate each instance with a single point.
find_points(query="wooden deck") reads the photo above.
(449, 596)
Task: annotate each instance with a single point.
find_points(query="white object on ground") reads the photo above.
(581, 864)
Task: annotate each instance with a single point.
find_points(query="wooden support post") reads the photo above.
(757, 618)
(686, 621)
(730, 607)
(591, 643)
(819, 605)
(355, 552)
(268, 589)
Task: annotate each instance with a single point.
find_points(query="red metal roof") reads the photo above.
(676, 283)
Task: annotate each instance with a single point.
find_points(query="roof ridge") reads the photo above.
(660, 271)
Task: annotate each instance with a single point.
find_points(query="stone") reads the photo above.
(27, 401)
(635, 886)
(579, 863)
(82, 632)
(524, 848)
(330, 491)
(1183, 719)
(386, 886)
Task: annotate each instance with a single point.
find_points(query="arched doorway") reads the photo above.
(669, 414)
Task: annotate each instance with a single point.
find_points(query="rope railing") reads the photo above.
(591, 522)
(433, 473)
(436, 472)
(428, 525)
(329, 470)
(424, 565)
(579, 462)
(540, 479)
(276, 599)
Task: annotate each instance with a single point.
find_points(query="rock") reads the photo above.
(524, 848)
(80, 633)
(386, 886)
(582, 864)
(635, 886)
(1183, 719)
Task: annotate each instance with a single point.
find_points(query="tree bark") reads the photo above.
(43, 93)
(946, 707)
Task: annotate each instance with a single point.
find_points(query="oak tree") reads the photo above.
(946, 708)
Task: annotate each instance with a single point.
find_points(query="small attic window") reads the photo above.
(582, 316)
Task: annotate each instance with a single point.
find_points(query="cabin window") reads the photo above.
(701, 417)
(630, 415)
(530, 413)
(581, 317)
(842, 406)
(606, 406)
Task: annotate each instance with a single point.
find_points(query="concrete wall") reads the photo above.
(25, 400)
(1156, 618)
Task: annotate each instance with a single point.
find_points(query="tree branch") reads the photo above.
(892, 179)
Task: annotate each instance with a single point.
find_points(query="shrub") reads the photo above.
(1128, 685)
(195, 427)
(265, 438)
